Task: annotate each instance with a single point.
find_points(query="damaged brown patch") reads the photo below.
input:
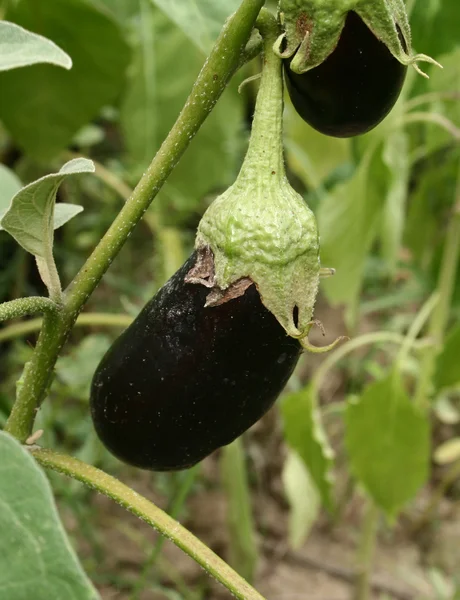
(218, 296)
(304, 25)
(203, 272)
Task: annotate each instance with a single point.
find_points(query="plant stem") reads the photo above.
(87, 319)
(24, 307)
(214, 76)
(151, 514)
(110, 179)
(243, 547)
(440, 315)
(377, 337)
(366, 552)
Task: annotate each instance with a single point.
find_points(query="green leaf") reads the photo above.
(396, 158)
(43, 107)
(435, 26)
(10, 184)
(200, 20)
(152, 103)
(303, 497)
(76, 369)
(348, 220)
(304, 434)
(37, 559)
(447, 372)
(311, 155)
(388, 442)
(20, 48)
(31, 217)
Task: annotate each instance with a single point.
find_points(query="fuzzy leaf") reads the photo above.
(43, 107)
(303, 498)
(200, 20)
(150, 107)
(31, 217)
(388, 442)
(20, 48)
(37, 559)
(447, 372)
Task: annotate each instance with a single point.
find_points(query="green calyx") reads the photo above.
(312, 30)
(260, 230)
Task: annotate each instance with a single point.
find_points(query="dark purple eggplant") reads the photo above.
(354, 89)
(185, 379)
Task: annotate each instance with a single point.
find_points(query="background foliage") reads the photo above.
(376, 429)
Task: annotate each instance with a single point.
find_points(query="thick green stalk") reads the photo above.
(211, 82)
(151, 514)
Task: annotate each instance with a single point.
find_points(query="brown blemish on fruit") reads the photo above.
(218, 296)
(203, 271)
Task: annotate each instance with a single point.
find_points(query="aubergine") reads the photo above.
(185, 379)
(354, 89)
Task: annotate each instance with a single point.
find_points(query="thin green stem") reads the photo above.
(430, 97)
(24, 307)
(377, 337)
(110, 179)
(87, 319)
(211, 82)
(440, 316)
(366, 552)
(36, 378)
(151, 514)
(427, 117)
(417, 326)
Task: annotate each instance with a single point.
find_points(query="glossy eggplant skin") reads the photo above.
(184, 379)
(354, 89)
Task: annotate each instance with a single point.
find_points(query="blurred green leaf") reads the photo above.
(434, 182)
(388, 442)
(443, 81)
(120, 9)
(304, 434)
(37, 559)
(312, 156)
(156, 94)
(76, 370)
(435, 27)
(200, 20)
(31, 218)
(348, 219)
(242, 543)
(43, 107)
(447, 372)
(303, 497)
(20, 48)
(10, 184)
(396, 158)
